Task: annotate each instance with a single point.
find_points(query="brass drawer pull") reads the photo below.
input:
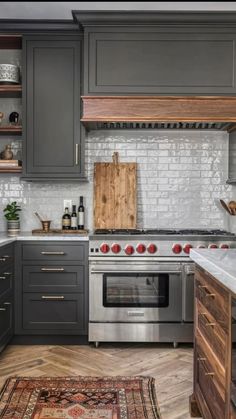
(52, 297)
(201, 359)
(210, 374)
(52, 269)
(53, 253)
(202, 286)
(207, 292)
(210, 295)
(207, 323)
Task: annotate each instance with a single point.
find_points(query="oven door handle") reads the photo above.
(127, 271)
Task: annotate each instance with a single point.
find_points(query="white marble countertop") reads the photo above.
(220, 263)
(5, 239)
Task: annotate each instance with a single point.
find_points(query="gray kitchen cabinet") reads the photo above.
(132, 53)
(52, 288)
(6, 294)
(53, 136)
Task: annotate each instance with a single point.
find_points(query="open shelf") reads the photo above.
(11, 129)
(10, 41)
(11, 169)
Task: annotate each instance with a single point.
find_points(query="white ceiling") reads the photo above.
(62, 10)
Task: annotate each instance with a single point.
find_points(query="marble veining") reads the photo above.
(220, 263)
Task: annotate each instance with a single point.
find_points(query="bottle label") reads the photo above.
(81, 219)
(66, 222)
(74, 222)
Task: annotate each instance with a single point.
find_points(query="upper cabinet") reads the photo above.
(139, 53)
(53, 143)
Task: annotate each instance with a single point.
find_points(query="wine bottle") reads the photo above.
(74, 218)
(81, 214)
(66, 220)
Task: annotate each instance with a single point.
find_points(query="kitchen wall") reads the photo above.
(181, 176)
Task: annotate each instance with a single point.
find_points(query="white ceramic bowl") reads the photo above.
(9, 73)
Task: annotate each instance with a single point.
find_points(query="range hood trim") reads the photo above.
(159, 109)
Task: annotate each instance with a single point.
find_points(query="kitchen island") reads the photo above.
(214, 393)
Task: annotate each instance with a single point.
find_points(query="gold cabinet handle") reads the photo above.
(53, 297)
(210, 295)
(202, 286)
(77, 154)
(207, 323)
(52, 269)
(207, 292)
(210, 374)
(53, 253)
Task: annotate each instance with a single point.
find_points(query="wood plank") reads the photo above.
(115, 195)
(159, 108)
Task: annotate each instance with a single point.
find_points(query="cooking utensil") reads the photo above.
(38, 216)
(225, 206)
(115, 195)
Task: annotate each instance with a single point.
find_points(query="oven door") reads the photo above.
(135, 292)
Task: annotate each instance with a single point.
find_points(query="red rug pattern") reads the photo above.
(79, 397)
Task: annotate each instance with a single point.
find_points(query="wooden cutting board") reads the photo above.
(115, 194)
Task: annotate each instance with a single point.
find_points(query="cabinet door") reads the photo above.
(52, 107)
(53, 313)
(6, 320)
(154, 61)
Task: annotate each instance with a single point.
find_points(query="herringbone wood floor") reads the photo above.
(172, 368)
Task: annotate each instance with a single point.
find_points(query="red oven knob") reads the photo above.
(187, 248)
(212, 246)
(104, 248)
(176, 248)
(129, 250)
(152, 248)
(116, 248)
(140, 248)
(224, 246)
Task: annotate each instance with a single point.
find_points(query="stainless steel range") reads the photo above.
(141, 283)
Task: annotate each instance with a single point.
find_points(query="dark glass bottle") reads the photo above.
(81, 214)
(66, 220)
(74, 218)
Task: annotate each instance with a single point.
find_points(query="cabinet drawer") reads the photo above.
(210, 382)
(6, 279)
(54, 252)
(6, 320)
(53, 312)
(53, 278)
(211, 331)
(213, 297)
(6, 256)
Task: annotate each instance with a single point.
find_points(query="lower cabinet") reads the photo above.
(52, 288)
(212, 349)
(54, 312)
(6, 294)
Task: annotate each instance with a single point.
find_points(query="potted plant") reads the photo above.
(11, 212)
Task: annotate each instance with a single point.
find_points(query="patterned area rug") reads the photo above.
(79, 397)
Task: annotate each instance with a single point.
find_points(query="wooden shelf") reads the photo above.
(10, 90)
(11, 129)
(11, 169)
(10, 41)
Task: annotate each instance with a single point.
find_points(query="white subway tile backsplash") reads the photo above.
(181, 176)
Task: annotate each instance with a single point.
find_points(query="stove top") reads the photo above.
(161, 232)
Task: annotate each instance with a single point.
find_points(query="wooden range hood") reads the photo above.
(160, 112)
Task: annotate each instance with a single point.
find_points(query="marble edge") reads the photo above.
(5, 239)
(225, 278)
